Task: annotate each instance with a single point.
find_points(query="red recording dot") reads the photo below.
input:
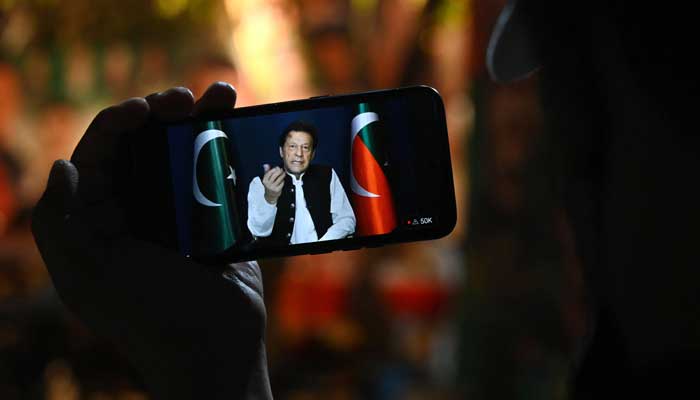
(408, 222)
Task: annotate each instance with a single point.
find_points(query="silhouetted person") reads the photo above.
(620, 91)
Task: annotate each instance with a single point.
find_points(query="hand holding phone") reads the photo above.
(182, 325)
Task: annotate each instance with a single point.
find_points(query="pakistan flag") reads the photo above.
(215, 222)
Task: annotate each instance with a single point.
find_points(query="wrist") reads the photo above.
(239, 376)
(271, 200)
(259, 383)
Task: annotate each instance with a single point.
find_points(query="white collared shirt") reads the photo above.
(261, 214)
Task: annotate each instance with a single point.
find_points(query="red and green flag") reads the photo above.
(371, 193)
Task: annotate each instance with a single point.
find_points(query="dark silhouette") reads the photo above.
(191, 331)
(619, 87)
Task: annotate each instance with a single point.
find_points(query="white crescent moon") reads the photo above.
(359, 122)
(199, 142)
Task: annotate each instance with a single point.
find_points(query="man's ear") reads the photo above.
(313, 154)
(281, 153)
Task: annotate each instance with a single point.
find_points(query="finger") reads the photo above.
(54, 217)
(266, 167)
(101, 145)
(277, 187)
(171, 105)
(58, 199)
(267, 176)
(97, 146)
(271, 175)
(219, 96)
(51, 212)
(276, 173)
(279, 180)
(141, 173)
(247, 272)
(267, 180)
(248, 278)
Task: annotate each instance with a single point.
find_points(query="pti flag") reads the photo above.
(215, 225)
(371, 194)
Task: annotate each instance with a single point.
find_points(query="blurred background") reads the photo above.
(493, 311)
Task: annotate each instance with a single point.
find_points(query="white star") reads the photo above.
(232, 175)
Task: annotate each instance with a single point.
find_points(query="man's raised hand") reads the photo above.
(273, 181)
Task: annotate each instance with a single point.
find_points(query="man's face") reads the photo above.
(297, 152)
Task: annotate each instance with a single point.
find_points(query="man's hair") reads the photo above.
(300, 126)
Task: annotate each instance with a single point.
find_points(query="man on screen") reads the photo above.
(299, 202)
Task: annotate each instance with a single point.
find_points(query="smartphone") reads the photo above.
(311, 176)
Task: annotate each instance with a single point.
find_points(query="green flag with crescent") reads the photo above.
(215, 224)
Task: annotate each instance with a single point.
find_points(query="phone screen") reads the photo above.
(312, 176)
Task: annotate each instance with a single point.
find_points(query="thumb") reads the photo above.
(58, 200)
(60, 195)
(266, 167)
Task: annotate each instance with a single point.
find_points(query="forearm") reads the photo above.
(261, 226)
(259, 384)
(341, 228)
(341, 212)
(261, 214)
(213, 379)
